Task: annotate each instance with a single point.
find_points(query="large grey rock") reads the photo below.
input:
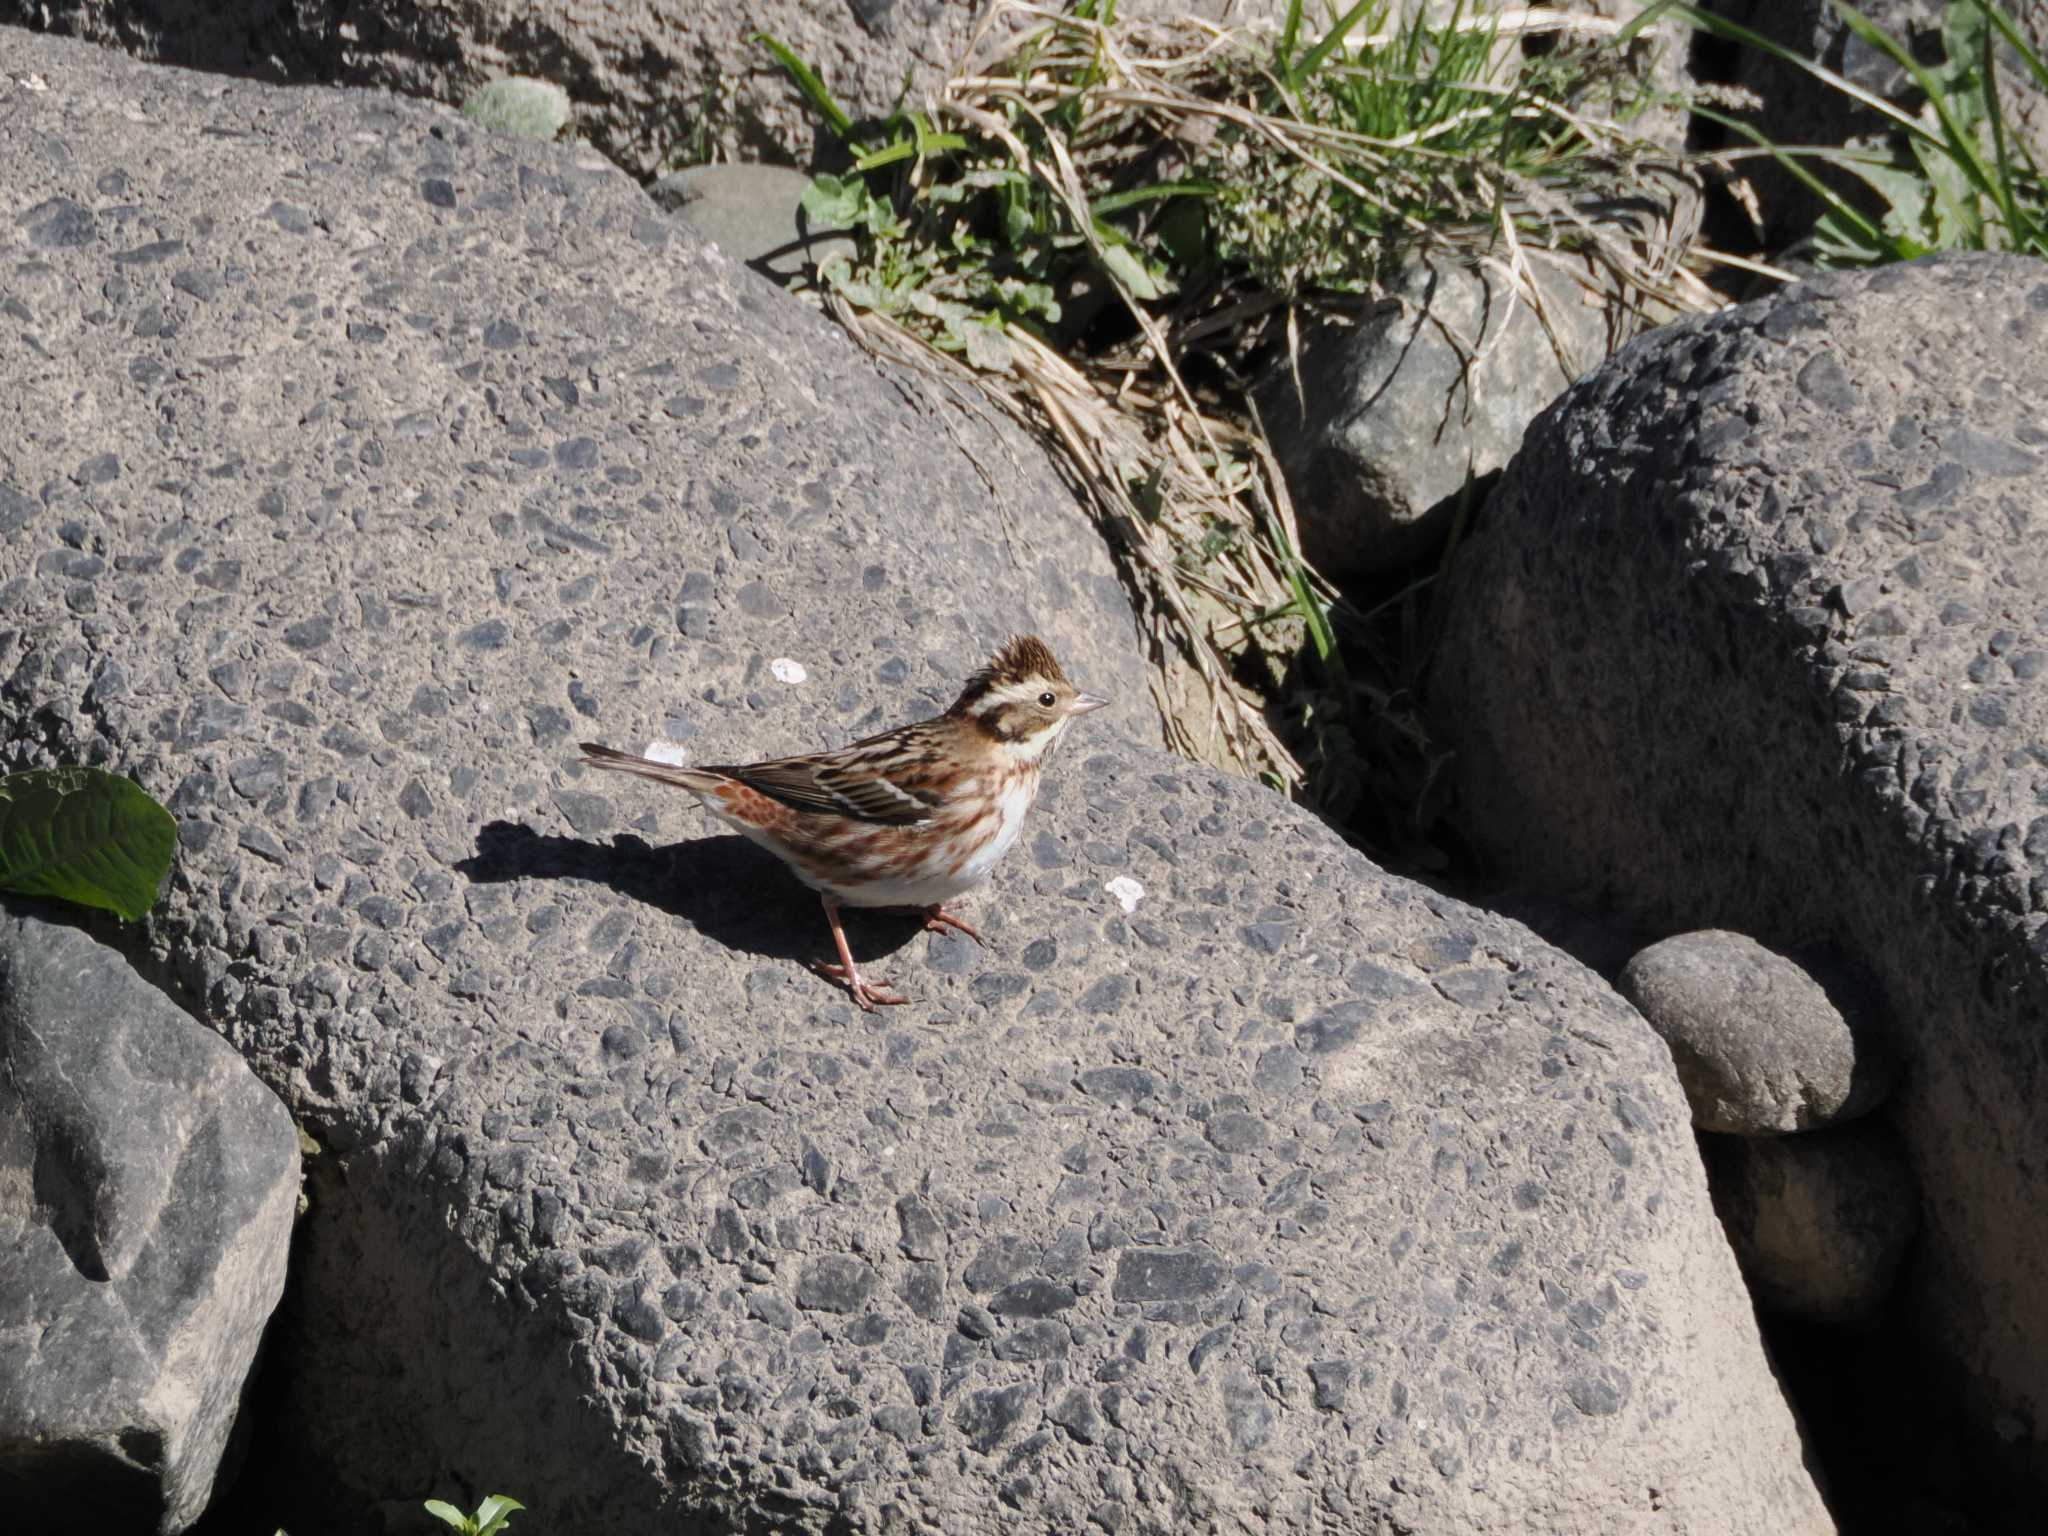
(656, 83)
(1752, 635)
(1759, 1045)
(147, 1185)
(1238, 1184)
(1820, 1222)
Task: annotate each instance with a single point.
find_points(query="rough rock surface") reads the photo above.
(1759, 1045)
(355, 467)
(1820, 1222)
(1753, 635)
(147, 1184)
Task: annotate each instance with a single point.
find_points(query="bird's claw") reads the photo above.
(939, 920)
(868, 994)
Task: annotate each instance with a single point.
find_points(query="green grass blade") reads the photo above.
(84, 835)
(1116, 202)
(910, 149)
(1331, 40)
(2012, 214)
(2036, 65)
(1290, 32)
(822, 101)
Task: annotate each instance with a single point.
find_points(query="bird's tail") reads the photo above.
(696, 780)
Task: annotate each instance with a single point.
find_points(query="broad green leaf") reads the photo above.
(448, 1514)
(84, 835)
(832, 203)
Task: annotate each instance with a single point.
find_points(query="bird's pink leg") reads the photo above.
(937, 920)
(868, 994)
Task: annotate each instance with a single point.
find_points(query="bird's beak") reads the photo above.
(1084, 702)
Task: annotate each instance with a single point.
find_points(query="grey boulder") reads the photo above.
(1385, 422)
(147, 1186)
(1238, 1183)
(1759, 1045)
(1821, 1222)
(1752, 635)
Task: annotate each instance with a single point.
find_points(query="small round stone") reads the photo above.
(1760, 1047)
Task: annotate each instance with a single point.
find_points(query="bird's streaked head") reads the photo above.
(1021, 700)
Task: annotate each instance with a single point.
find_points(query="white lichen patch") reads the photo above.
(787, 671)
(672, 752)
(1128, 892)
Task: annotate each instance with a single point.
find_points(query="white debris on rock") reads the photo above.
(1128, 892)
(787, 671)
(673, 752)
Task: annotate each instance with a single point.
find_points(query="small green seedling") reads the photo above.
(489, 1519)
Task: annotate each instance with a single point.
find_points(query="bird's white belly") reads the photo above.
(933, 879)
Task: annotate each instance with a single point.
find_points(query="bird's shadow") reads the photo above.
(726, 888)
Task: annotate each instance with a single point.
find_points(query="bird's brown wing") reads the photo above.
(897, 777)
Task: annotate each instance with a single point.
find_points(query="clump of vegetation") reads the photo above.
(86, 836)
(1112, 227)
(1955, 176)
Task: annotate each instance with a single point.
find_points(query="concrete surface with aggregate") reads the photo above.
(1753, 636)
(351, 467)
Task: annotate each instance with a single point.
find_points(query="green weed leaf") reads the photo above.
(84, 835)
(831, 202)
(1130, 272)
(449, 1515)
(492, 1514)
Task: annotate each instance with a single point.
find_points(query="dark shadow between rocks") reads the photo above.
(728, 889)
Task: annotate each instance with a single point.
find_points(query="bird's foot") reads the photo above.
(869, 994)
(937, 920)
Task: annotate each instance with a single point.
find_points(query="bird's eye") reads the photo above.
(1045, 701)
